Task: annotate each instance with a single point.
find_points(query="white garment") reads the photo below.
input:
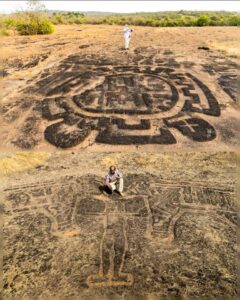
(126, 42)
(117, 185)
(111, 177)
(127, 36)
(126, 32)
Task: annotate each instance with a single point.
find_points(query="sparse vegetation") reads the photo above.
(4, 32)
(38, 21)
(3, 29)
(21, 161)
(161, 19)
(33, 24)
(68, 18)
(33, 21)
(170, 19)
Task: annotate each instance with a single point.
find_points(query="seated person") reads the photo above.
(114, 180)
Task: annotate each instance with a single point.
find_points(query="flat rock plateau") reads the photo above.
(166, 112)
(175, 89)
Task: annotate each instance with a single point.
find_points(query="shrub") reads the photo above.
(202, 21)
(234, 21)
(57, 19)
(34, 24)
(9, 23)
(45, 27)
(4, 32)
(79, 20)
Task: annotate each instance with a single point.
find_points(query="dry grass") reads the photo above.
(231, 48)
(22, 161)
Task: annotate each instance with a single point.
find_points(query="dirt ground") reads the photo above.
(176, 88)
(173, 233)
(166, 112)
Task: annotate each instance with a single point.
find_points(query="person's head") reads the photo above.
(126, 25)
(112, 169)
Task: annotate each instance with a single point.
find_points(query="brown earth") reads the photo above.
(176, 88)
(76, 103)
(173, 233)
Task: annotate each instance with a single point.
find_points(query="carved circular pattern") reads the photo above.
(126, 105)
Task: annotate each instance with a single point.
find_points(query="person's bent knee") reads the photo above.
(109, 186)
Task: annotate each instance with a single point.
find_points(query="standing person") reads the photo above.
(127, 36)
(114, 180)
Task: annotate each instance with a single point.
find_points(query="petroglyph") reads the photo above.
(153, 210)
(228, 76)
(135, 104)
(98, 100)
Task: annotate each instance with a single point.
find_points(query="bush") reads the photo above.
(4, 32)
(9, 23)
(203, 21)
(79, 21)
(67, 18)
(234, 21)
(34, 25)
(45, 27)
(57, 19)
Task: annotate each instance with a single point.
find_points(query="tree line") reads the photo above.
(38, 21)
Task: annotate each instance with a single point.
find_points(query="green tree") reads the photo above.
(203, 20)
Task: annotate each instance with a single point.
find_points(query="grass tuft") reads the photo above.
(22, 161)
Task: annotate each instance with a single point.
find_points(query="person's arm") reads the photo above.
(107, 178)
(119, 174)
